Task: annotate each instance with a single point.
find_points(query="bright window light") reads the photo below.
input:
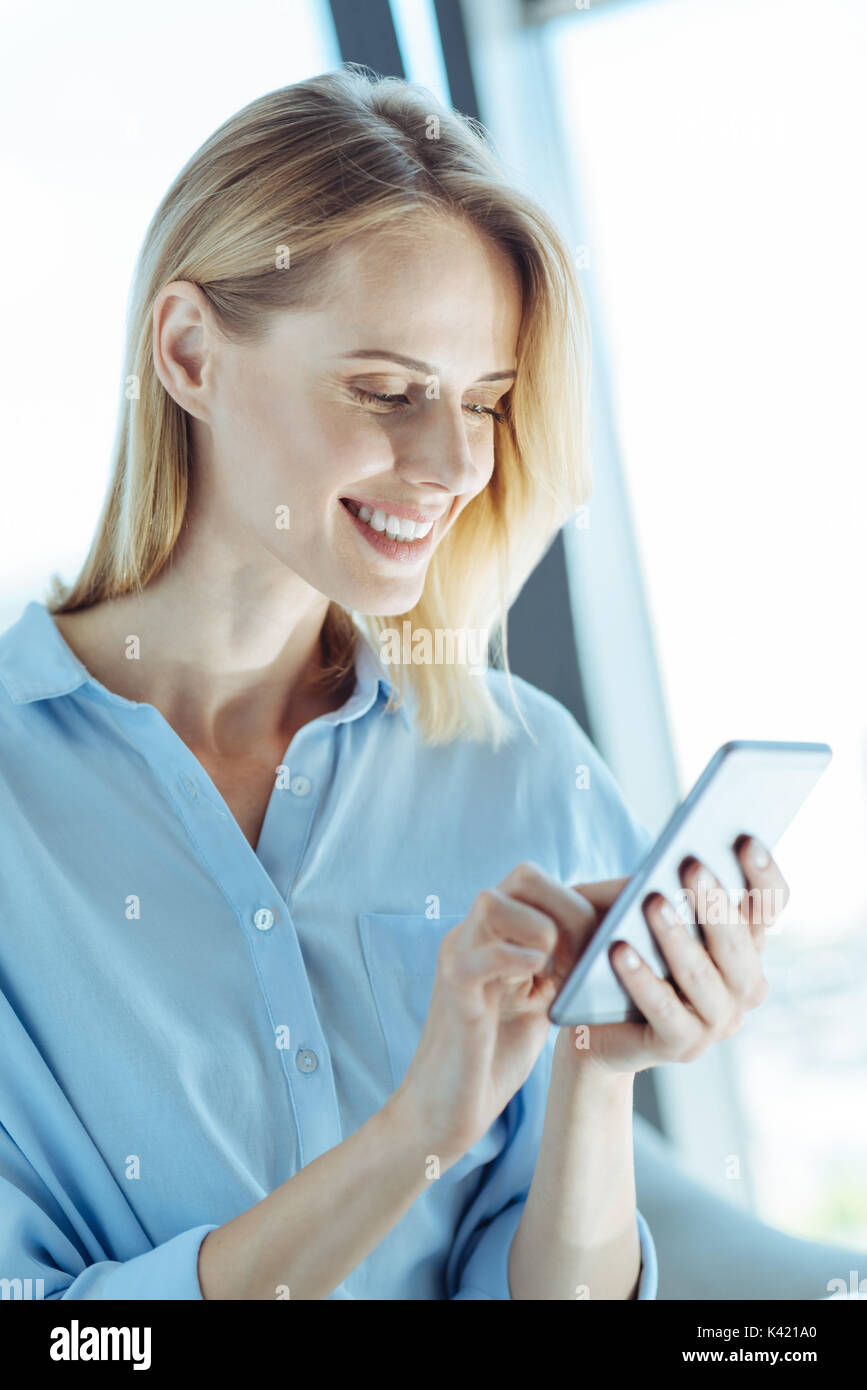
(719, 156)
(102, 105)
(415, 24)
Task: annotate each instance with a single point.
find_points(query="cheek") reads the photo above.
(347, 447)
(255, 427)
(486, 459)
(483, 457)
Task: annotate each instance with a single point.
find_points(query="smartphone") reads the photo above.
(748, 787)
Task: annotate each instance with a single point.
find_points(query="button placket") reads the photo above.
(286, 829)
(263, 915)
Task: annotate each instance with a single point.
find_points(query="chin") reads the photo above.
(387, 600)
(390, 606)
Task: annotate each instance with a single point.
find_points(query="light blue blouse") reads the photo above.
(186, 1022)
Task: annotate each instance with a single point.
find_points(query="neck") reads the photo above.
(229, 657)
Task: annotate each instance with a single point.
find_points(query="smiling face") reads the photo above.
(297, 420)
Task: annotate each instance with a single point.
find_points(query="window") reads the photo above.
(717, 150)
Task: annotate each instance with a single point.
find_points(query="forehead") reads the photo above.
(434, 289)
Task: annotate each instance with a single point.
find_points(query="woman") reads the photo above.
(283, 921)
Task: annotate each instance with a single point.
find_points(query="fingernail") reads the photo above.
(759, 855)
(629, 960)
(668, 915)
(684, 915)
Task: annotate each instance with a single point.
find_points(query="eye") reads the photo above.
(380, 397)
(486, 410)
(394, 399)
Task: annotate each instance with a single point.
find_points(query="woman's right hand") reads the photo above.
(497, 974)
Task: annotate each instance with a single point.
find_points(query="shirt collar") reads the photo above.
(37, 664)
(370, 678)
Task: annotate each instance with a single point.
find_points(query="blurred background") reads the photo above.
(706, 162)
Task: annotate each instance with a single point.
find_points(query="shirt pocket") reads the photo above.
(400, 952)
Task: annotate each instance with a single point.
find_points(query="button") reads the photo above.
(305, 1060)
(263, 918)
(299, 786)
(189, 787)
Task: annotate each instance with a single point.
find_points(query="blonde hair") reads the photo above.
(307, 166)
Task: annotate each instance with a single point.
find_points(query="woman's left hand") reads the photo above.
(712, 987)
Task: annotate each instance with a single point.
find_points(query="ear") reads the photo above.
(181, 339)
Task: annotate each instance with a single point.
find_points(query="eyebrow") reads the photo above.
(388, 356)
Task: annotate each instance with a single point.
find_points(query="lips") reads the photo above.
(384, 536)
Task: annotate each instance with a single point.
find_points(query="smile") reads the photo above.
(398, 537)
(397, 528)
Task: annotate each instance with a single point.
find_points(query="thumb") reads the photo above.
(601, 895)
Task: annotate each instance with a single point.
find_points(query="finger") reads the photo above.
(495, 915)
(574, 916)
(767, 891)
(691, 966)
(675, 1030)
(496, 961)
(601, 895)
(730, 942)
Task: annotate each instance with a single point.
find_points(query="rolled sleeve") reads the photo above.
(52, 1243)
(169, 1271)
(648, 1279)
(486, 1274)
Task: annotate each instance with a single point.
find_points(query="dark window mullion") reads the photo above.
(365, 34)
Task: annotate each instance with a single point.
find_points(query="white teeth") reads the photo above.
(397, 528)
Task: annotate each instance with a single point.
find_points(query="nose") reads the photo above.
(437, 452)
